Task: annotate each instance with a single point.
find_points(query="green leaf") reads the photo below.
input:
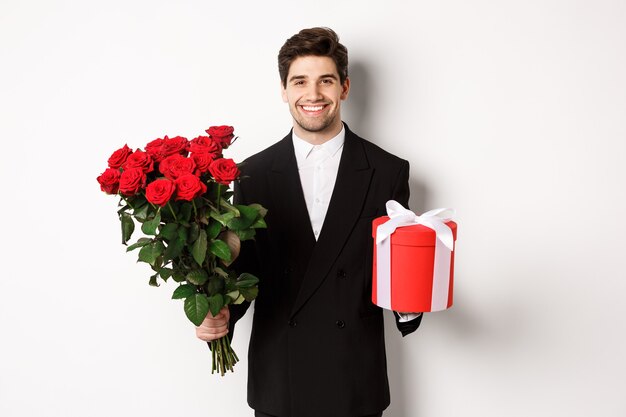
(197, 276)
(184, 291)
(153, 281)
(165, 273)
(245, 220)
(230, 207)
(196, 308)
(178, 276)
(199, 248)
(249, 293)
(222, 218)
(246, 280)
(259, 224)
(151, 252)
(246, 234)
(215, 286)
(123, 209)
(168, 231)
(185, 212)
(128, 227)
(149, 227)
(213, 229)
(220, 271)
(239, 300)
(194, 232)
(216, 302)
(174, 249)
(259, 208)
(141, 212)
(233, 294)
(220, 249)
(139, 244)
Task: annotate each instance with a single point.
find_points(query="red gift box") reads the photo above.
(412, 270)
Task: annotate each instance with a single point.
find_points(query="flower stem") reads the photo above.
(172, 210)
(219, 194)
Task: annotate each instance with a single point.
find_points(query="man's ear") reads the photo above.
(345, 89)
(283, 92)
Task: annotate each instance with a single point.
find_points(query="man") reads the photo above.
(317, 346)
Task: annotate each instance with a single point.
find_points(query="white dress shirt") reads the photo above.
(318, 166)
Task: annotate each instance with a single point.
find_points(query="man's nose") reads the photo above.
(313, 92)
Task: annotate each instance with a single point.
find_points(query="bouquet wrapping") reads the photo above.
(177, 191)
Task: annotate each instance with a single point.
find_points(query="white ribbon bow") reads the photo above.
(444, 245)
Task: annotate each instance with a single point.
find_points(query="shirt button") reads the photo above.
(341, 273)
(317, 232)
(317, 200)
(292, 323)
(340, 324)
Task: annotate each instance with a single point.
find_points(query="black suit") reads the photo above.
(317, 346)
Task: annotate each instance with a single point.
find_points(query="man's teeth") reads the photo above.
(312, 108)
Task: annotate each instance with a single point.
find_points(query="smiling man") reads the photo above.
(317, 346)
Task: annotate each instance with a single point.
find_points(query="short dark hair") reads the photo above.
(318, 41)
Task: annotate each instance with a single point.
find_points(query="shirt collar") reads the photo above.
(303, 148)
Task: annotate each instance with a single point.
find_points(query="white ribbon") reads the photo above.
(444, 245)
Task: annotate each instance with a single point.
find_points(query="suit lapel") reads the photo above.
(351, 186)
(290, 212)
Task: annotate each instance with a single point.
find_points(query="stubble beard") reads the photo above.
(313, 126)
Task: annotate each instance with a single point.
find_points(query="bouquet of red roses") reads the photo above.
(178, 191)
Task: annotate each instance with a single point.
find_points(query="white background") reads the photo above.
(513, 113)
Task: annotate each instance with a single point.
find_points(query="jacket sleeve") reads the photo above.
(246, 262)
(401, 194)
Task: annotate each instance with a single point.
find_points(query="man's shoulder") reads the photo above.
(263, 160)
(377, 155)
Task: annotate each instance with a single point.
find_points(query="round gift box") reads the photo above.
(412, 264)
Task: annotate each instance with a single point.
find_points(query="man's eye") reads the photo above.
(300, 82)
(327, 81)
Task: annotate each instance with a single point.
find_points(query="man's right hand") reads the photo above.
(212, 328)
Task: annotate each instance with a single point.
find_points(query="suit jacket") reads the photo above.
(317, 346)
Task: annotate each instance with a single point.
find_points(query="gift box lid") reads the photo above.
(414, 235)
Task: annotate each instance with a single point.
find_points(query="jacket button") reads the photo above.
(341, 273)
(292, 323)
(340, 324)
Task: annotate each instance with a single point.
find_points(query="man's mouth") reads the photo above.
(313, 109)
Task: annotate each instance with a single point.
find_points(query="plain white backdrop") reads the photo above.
(513, 113)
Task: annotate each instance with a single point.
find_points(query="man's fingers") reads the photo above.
(208, 334)
(214, 327)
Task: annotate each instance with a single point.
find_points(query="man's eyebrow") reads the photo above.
(297, 77)
(304, 77)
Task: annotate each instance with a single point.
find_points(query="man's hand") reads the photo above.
(212, 328)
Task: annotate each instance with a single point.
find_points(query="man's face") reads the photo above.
(314, 94)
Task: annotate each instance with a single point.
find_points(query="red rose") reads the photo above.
(154, 149)
(203, 161)
(139, 159)
(189, 187)
(131, 181)
(224, 170)
(118, 157)
(222, 134)
(173, 146)
(205, 144)
(177, 165)
(110, 180)
(160, 191)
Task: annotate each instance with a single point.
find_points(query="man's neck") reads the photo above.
(317, 138)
